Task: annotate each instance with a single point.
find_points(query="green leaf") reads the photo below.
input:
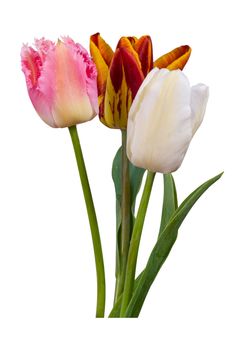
(117, 179)
(136, 177)
(169, 201)
(162, 249)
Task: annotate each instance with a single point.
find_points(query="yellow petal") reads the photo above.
(102, 68)
(105, 50)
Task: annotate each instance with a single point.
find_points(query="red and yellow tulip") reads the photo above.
(121, 73)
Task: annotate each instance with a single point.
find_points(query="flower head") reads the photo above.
(61, 80)
(121, 73)
(163, 119)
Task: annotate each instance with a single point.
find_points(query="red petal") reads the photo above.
(143, 46)
(133, 73)
(116, 70)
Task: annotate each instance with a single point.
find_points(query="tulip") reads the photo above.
(121, 73)
(163, 119)
(61, 81)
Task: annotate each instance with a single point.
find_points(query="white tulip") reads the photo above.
(163, 118)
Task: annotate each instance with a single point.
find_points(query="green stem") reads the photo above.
(135, 241)
(126, 221)
(100, 271)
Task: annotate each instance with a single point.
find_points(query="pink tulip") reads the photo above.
(62, 81)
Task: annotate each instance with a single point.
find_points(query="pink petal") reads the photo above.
(43, 47)
(39, 88)
(87, 71)
(31, 65)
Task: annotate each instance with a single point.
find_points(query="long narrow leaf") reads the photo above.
(169, 201)
(117, 178)
(162, 249)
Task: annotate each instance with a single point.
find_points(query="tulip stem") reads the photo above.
(99, 262)
(135, 241)
(125, 221)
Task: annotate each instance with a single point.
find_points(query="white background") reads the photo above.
(47, 275)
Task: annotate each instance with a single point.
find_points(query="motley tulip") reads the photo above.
(121, 73)
(61, 80)
(162, 120)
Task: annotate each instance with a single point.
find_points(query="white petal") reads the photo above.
(135, 103)
(139, 120)
(199, 98)
(173, 127)
(160, 127)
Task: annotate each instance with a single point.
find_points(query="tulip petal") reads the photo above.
(127, 44)
(31, 65)
(132, 39)
(199, 98)
(113, 85)
(123, 82)
(102, 55)
(43, 47)
(40, 93)
(133, 74)
(143, 47)
(117, 97)
(175, 59)
(86, 70)
(141, 93)
(104, 49)
(71, 99)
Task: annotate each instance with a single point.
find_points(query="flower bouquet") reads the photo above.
(157, 112)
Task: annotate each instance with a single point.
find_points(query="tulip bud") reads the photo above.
(62, 82)
(162, 120)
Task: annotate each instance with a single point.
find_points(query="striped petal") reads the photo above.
(133, 73)
(132, 39)
(102, 55)
(143, 47)
(127, 44)
(175, 59)
(123, 82)
(114, 105)
(104, 49)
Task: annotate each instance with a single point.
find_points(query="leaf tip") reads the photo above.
(220, 175)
